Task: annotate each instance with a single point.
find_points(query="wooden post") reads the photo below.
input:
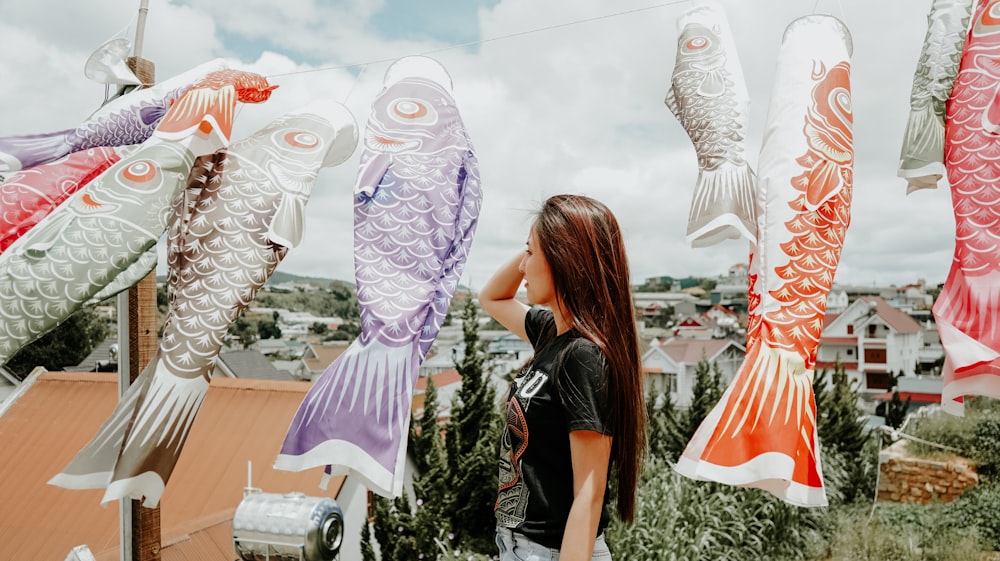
(142, 344)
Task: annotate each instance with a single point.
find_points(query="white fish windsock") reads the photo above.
(921, 160)
(762, 433)
(416, 207)
(967, 309)
(228, 232)
(107, 231)
(709, 97)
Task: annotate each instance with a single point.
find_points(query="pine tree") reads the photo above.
(839, 421)
(426, 445)
(895, 411)
(706, 393)
(471, 441)
(367, 551)
(666, 435)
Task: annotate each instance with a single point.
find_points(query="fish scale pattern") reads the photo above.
(220, 251)
(967, 306)
(416, 208)
(762, 433)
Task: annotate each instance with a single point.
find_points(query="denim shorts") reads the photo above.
(515, 546)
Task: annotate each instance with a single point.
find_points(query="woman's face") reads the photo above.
(537, 276)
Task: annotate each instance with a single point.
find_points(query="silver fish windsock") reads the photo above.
(129, 119)
(762, 433)
(709, 97)
(416, 208)
(105, 229)
(228, 232)
(921, 160)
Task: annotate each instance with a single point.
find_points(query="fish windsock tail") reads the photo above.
(762, 433)
(151, 431)
(921, 160)
(26, 151)
(355, 419)
(93, 465)
(723, 205)
(970, 336)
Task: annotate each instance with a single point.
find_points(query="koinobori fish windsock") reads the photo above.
(104, 229)
(966, 311)
(228, 231)
(921, 160)
(28, 196)
(416, 207)
(709, 97)
(762, 433)
(129, 119)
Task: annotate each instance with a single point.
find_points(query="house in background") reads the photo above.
(247, 364)
(240, 421)
(671, 366)
(316, 358)
(871, 339)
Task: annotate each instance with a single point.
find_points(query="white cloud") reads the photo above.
(574, 108)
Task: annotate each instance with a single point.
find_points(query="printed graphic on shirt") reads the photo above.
(512, 495)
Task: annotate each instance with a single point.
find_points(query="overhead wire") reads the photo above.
(486, 40)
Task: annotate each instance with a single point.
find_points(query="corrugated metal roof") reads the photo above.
(240, 420)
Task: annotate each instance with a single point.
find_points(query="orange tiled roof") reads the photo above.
(240, 420)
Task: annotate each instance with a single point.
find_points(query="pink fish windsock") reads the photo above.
(969, 305)
(129, 119)
(102, 239)
(229, 230)
(416, 208)
(709, 97)
(762, 433)
(921, 160)
(28, 196)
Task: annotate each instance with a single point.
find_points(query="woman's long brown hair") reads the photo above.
(583, 245)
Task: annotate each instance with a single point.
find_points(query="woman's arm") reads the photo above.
(497, 297)
(590, 453)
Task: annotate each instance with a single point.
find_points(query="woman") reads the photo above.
(575, 413)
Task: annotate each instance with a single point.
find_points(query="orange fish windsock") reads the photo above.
(762, 433)
(967, 308)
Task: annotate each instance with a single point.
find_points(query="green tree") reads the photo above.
(839, 421)
(245, 330)
(666, 435)
(268, 329)
(472, 436)
(705, 394)
(895, 410)
(66, 345)
(319, 328)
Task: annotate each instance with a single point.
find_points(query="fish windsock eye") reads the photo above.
(697, 43)
(301, 139)
(412, 111)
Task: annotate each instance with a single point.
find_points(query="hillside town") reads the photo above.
(883, 337)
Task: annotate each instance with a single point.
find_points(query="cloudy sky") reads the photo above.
(558, 96)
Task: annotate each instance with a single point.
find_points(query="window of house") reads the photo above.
(850, 352)
(871, 329)
(671, 381)
(850, 329)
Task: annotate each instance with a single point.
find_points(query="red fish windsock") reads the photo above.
(921, 160)
(966, 310)
(709, 97)
(762, 433)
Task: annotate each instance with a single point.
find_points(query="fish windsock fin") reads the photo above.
(93, 465)
(991, 114)
(286, 226)
(27, 151)
(37, 242)
(921, 160)
(135, 272)
(671, 102)
(723, 205)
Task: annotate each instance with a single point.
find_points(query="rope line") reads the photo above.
(487, 40)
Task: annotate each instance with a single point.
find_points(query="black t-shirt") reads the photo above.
(536, 471)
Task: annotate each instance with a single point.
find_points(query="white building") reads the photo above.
(671, 366)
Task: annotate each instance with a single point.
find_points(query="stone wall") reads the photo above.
(908, 479)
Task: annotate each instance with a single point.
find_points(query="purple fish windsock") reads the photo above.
(108, 229)
(921, 160)
(762, 433)
(709, 97)
(416, 207)
(967, 309)
(129, 119)
(30, 195)
(229, 230)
